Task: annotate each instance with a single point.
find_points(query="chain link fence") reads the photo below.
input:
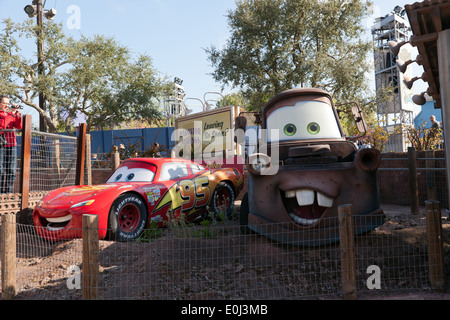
(219, 262)
(52, 162)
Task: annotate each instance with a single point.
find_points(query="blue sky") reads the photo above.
(174, 33)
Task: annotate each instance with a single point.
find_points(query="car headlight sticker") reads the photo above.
(83, 204)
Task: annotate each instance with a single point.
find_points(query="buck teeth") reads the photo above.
(306, 198)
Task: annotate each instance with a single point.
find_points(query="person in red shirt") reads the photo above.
(9, 119)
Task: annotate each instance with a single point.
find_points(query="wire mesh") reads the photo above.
(9, 161)
(53, 161)
(220, 262)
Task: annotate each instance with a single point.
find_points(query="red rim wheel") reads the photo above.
(223, 199)
(127, 217)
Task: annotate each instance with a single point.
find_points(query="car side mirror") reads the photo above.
(358, 116)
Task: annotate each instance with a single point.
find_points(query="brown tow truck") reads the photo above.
(305, 168)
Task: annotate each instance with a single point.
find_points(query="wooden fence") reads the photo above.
(90, 253)
(23, 202)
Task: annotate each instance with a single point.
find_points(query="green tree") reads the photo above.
(232, 99)
(105, 85)
(280, 44)
(96, 79)
(19, 73)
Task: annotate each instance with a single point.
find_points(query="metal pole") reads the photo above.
(40, 53)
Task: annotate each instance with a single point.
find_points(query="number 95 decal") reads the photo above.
(194, 193)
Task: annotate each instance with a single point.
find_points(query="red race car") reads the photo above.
(141, 190)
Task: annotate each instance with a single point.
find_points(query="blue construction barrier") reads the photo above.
(143, 139)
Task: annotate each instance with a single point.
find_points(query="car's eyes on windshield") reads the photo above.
(125, 174)
(304, 120)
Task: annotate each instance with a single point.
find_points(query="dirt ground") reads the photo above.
(220, 268)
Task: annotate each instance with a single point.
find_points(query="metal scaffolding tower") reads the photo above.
(399, 111)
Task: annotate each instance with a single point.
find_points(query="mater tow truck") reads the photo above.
(304, 168)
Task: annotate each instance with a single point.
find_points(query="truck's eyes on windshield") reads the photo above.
(313, 128)
(304, 120)
(290, 129)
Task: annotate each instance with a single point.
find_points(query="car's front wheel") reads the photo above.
(127, 218)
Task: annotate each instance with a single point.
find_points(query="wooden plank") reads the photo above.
(435, 248)
(90, 257)
(81, 154)
(25, 165)
(413, 185)
(348, 262)
(437, 19)
(8, 256)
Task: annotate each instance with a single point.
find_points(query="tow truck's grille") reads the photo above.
(310, 160)
(319, 162)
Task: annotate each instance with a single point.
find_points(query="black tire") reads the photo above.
(243, 215)
(223, 199)
(127, 218)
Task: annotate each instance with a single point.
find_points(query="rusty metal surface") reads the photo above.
(427, 19)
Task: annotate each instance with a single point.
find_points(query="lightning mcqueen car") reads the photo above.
(141, 190)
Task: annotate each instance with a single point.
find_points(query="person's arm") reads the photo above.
(17, 123)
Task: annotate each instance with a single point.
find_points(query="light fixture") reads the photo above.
(203, 105)
(30, 10)
(208, 106)
(419, 99)
(50, 14)
(401, 65)
(409, 82)
(395, 46)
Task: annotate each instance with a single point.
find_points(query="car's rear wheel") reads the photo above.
(127, 218)
(223, 200)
